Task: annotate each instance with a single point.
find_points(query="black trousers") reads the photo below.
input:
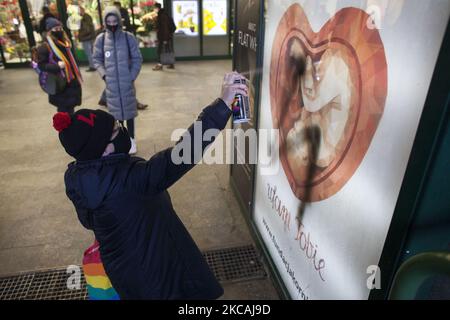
(70, 110)
(130, 127)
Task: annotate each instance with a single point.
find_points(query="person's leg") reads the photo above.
(172, 66)
(160, 49)
(140, 106)
(130, 127)
(159, 65)
(102, 101)
(87, 47)
(90, 50)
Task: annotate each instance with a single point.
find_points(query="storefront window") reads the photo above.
(215, 17)
(185, 16)
(74, 17)
(35, 8)
(145, 20)
(91, 7)
(13, 36)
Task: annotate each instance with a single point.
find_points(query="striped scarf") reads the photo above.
(71, 69)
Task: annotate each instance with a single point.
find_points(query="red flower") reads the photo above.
(147, 4)
(61, 121)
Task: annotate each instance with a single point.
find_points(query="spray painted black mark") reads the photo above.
(312, 136)
(295, 69)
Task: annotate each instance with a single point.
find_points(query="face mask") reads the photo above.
(112, 28)
(122, 142)
(57, 34)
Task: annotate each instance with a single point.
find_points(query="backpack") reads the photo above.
(49, 82)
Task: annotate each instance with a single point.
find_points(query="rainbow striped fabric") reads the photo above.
(98, 284)
(71, 70)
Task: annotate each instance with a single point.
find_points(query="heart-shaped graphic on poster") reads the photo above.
(327, 92)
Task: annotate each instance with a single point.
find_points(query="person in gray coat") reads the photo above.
(118, 61)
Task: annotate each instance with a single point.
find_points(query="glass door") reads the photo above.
(185, 14)
(14, 43)
(145, 22)
(216, 39)
(38, 9)
(74, 17)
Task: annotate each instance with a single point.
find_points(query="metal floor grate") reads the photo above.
(47, 285)
(235, 264)
(232, 264)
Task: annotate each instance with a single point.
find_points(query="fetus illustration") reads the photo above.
(332, 83)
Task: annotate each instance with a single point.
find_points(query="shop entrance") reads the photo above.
(203, 26)
(15, 33)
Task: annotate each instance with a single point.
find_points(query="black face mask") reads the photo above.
(112, 28)
(122, 142)
(58, 34)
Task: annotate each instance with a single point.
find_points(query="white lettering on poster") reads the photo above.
(280, 209)
(310, 250)
(247, 40)
(290, 271)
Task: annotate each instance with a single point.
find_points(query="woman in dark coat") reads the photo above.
(55, 56)
(165, 29)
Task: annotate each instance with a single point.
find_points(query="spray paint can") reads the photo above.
(241, 106)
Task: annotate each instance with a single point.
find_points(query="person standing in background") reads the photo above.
(118, 60)
(126, 26)
(55, 56)
(86, 35)
(165, 28)
(42, 24)
(124, 15)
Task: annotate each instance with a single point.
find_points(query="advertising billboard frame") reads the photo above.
(427, 136)
(430, 130)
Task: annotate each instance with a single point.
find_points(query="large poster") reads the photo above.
(344, 82)
(246, 49)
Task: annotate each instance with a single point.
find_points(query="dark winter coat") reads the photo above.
(87, 29)
(146, 250)
(118, 61)
(125, 19)
(71, 96)
(165, 26)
